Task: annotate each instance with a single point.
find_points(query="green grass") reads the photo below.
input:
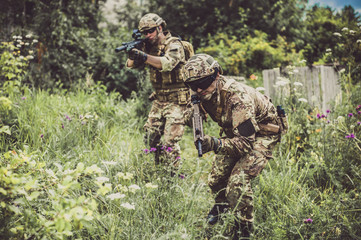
(50, 187)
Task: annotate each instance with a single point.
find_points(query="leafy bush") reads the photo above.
(250, 54)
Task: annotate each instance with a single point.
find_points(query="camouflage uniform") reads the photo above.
(241, 158)
(245, 145)
(170, 98)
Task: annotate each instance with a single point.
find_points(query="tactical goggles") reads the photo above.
(145, 32)
(202, 83)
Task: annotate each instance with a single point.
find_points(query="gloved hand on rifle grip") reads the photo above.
(137, 56)
(211, 144)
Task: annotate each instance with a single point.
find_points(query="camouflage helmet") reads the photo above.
(200, 66)
(150, 20)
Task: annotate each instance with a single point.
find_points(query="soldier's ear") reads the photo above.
(160, 29)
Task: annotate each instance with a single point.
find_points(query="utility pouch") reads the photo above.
(183, 98)
(269, 129)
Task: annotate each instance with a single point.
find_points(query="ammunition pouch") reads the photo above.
(273, 129)
(179, 96)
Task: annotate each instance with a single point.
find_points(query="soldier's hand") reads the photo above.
(211, 144)
(137, 56)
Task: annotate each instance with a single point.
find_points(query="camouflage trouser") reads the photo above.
(230, 178)
(165, 119)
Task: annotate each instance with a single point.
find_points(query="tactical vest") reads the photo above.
(167, 80)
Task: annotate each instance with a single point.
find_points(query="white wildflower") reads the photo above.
(18, 45)
(28, 36)
(281, 83)
(35, 41)
(93, 169)
(342, 70)
(298, 84)
(109, 162)
(50, 173)
(29, 57)
(31, 51)
(102, 179)
(260, 89)
(328, 50)
(344, 29)
(303, 61)
(21, 57)
(15, 37)
(116, 196)
(27, 44)
(151, 186)
(20, 37)
(126, 176)
(122, 188)
(303, 100)
(358, 41)
(337, 34)
(133, 188)
(128, 206)
(352, 32)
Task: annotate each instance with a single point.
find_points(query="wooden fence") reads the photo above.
(320, 84)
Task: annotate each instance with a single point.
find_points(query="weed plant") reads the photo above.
(73, 166)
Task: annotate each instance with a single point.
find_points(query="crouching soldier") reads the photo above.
(250, 129)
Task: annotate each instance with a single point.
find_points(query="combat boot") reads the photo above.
(216, 211)
(242, 230)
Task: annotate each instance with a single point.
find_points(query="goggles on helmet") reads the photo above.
(202, 83)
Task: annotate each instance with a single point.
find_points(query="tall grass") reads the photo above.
(74, 168)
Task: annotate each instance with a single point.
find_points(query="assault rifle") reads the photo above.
(136, 43)
(197, 122)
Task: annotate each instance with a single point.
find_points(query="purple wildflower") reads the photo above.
(308, 220)
(62, 125)
(358, 123)
(146, 151)
(178, 158)
(351, 136)
(347, 136)
(169, 149)
(83, 122)
(358, 107)
(153, 150)
(81, 116)
(67, 117)
(323, 116)
(42, 135)
(23, 98)
(359, 112)
(350, 114)
(328, 111)
(181, 176)
(318, 116)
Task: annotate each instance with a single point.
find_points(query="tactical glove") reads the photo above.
(211, 144)
(137, 56)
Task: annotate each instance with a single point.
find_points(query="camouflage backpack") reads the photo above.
(187, 46)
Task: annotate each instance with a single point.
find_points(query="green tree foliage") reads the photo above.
(251, 54)
(71, 45)
(196, 19)
(320, 25)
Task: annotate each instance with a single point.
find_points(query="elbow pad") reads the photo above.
(246, 128)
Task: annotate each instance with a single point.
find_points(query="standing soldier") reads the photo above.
(165, 56)
(251, 126)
